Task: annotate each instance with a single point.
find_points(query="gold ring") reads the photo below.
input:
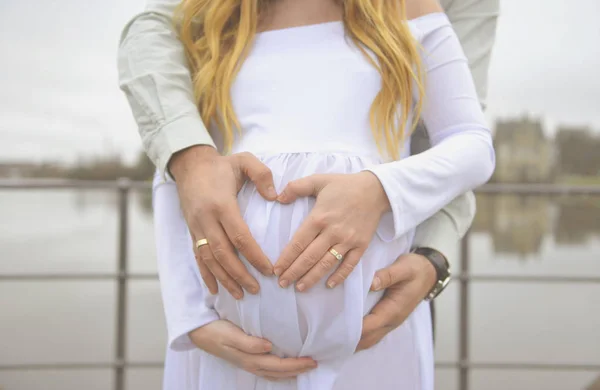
(201, 242)
(336, 254)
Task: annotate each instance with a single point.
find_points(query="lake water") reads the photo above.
(65, 231)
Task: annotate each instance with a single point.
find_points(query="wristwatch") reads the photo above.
(442, 270)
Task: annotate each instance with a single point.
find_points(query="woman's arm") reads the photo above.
(186, 304)
(462, 155)
(348, 208)
(192, 321)
(474, 22)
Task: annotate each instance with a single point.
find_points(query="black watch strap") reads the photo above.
(442, 269)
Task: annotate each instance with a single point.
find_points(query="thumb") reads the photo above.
(307, 186)
(373, 322)
(259, 174)
(399, 271)
(248, 344)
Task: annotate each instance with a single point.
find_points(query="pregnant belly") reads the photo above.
(322, 323)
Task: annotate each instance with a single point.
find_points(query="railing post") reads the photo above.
(463, 352)
(124, 186)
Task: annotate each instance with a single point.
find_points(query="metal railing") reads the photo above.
(123, 187)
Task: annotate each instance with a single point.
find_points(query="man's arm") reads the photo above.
(155, 77)
(475, 24)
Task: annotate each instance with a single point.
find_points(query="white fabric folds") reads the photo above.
(302, 99)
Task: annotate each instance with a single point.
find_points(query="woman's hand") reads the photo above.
(225, 340)
(345, 216)
(208, 184)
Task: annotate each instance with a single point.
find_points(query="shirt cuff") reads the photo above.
(182, 133)
(444, 230)
(392, 225)
(439, 233)
(179, 339)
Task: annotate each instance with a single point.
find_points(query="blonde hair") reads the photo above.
(217, 35)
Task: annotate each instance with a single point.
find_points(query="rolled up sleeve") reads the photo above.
(155, 77)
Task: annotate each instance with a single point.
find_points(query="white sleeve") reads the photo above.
(186, 301)
(462, 154)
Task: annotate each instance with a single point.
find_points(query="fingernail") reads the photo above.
(376, 285)
(284, 283)
(267, 347)
(253, 290)
(300, 286)
(277, 271)
(238, 295)
(331, 284)
(271, 192)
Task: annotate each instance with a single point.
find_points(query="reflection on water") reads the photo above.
(519, 224)
(516, 224)
(578, 221)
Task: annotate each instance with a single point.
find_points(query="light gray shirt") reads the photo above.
(154, 75)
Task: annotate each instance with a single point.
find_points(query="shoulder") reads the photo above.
(418, 8)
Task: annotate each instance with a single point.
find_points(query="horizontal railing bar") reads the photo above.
(79, 366)
(529, 278)
(441, 364)
(520, 366)
(153, 276)
(492, 188)
(49, 184)
(75, 277)
(538, 189)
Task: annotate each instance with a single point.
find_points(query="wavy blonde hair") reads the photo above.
(217, 35)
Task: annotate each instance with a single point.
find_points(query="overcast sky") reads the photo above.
(59, 97)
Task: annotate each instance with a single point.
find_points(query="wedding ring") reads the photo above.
(336, 254)
(201, 242)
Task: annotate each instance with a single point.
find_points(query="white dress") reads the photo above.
(302, 98)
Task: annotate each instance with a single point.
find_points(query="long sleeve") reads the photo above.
(155, 77)
(462, 155)
(186, 302)
(474, 22)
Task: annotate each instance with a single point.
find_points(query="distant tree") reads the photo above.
(578, 152)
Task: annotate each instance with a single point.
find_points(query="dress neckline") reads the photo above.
(333, 23)
(318, 31)
(295, 29)
(299, 35)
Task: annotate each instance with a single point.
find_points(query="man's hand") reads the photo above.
(225, 340)
(407, 281)
(208, 184)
